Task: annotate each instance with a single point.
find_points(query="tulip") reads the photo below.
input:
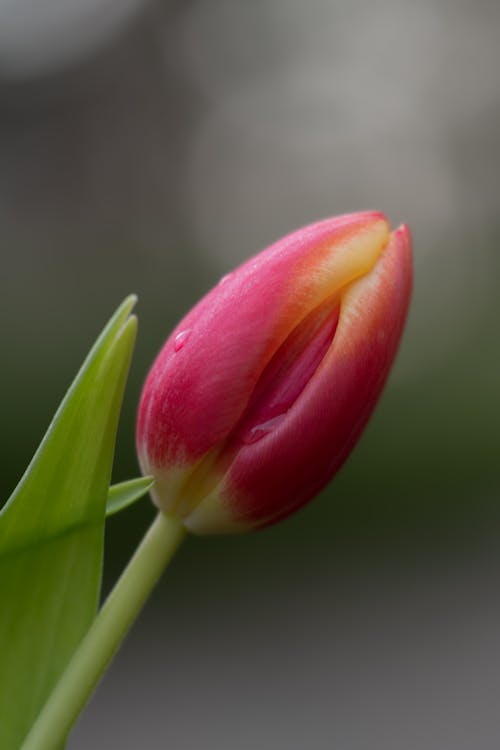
(262, 390)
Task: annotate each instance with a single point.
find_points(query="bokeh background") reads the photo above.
(150, 147)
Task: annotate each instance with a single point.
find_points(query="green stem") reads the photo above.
(105, 635)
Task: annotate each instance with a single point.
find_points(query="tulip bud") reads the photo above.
(262, 390)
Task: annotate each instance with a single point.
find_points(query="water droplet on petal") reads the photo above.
(225, 278)
(181, 339)
(257, 432)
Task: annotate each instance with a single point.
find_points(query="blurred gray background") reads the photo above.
(149, 147)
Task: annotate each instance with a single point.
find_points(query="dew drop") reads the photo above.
(181, 339)
(258, 431)
(225, 278)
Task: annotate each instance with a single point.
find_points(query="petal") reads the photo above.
(203, 378)
(270, 478)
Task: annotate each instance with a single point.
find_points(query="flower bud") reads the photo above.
(262, 390)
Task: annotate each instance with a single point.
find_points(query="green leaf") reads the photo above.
(121, 495)
(51, 533)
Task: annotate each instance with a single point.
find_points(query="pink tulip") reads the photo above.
(262, 390)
